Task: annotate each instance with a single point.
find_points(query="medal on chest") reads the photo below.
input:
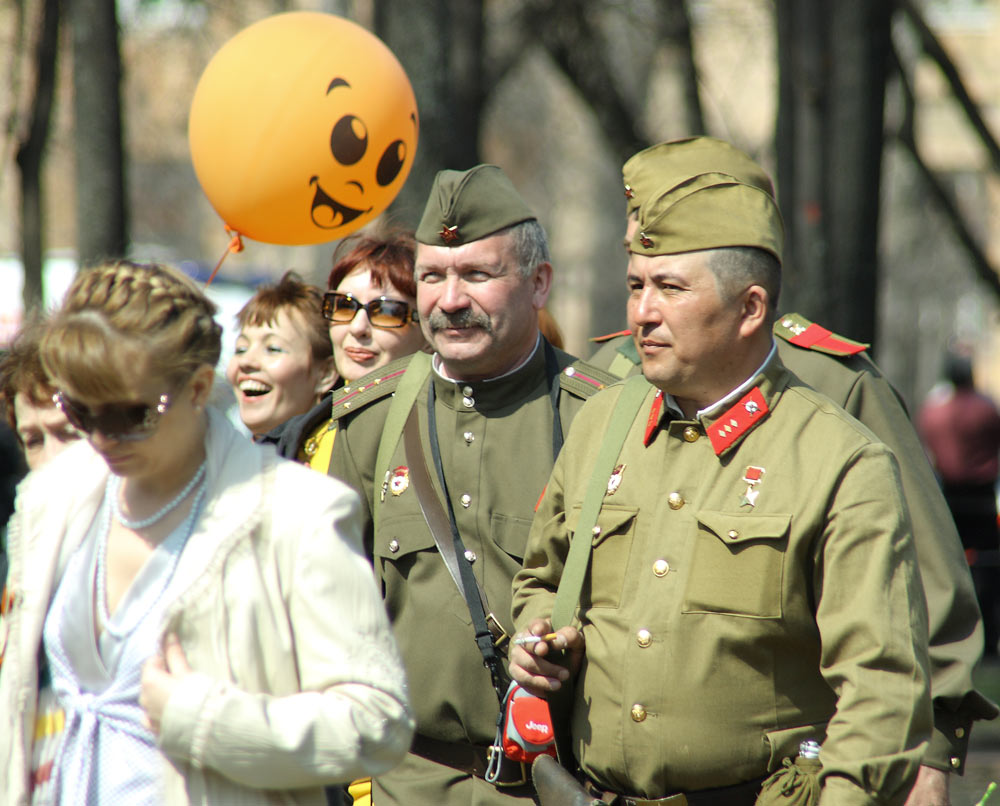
(752, 477)
(396, 481)
(614, 482)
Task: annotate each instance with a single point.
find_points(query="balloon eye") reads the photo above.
(349, 140)
(391, 163)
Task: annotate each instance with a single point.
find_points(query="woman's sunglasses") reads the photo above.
(125, 422)
(383, 312)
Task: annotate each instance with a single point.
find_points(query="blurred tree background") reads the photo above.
(874, 117)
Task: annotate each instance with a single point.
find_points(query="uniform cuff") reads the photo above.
(949, 741)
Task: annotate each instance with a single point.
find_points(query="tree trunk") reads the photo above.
(832, 65)
(440, 45)
(31, 153)
(100, 168)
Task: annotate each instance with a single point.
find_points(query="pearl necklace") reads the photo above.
(161, 513)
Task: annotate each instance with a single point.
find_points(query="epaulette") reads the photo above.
(797, 330)
(610, 336)
(369, 388)
(583, 379)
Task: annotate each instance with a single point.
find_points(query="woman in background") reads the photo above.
(195, 621)
(370, 309)
(283, 362)
(26, 400)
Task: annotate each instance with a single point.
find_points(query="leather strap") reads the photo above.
(434, 514)
(471, 759)
(568, 595)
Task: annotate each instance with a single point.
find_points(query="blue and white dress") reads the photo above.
(105, 754)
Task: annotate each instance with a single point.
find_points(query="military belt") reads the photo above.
(744, 794)
(472, 759)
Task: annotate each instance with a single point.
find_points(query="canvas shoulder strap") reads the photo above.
(405, 396)
(633, 393)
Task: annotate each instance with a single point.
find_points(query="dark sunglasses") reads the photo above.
(383, 312)
(125, 422)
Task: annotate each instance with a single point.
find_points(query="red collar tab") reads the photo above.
(818, 336)
(733, 424)
(654, 419)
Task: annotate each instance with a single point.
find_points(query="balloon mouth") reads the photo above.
(327, 213)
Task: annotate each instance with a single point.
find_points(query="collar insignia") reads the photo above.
(725, 431)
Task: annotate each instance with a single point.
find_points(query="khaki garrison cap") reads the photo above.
(708, 211)
(464, 206)
(667, 164)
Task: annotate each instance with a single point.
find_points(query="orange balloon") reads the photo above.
(303, 128)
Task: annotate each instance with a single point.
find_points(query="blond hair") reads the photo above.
(121, 317)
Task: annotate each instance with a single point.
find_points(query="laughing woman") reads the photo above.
(193, 619)
(283, 362)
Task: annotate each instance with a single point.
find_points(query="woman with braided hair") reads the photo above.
(193, 620)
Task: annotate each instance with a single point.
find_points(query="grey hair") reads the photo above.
(529, 245)
(736, 267)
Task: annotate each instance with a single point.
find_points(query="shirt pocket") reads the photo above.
(397, 547)
(737, 564)
(611, 544)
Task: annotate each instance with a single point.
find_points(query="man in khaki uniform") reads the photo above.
(752, 579)
(842, 370)
(501, 400)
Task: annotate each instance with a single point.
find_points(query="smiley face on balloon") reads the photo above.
(303, 128)
(353, 154)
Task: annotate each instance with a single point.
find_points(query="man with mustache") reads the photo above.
(463, 440)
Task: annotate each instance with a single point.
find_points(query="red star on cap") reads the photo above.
(449, 234)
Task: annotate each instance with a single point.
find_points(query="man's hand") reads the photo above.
(931, 788)
(159, 678)
(528, 665)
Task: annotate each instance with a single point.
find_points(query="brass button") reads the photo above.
(675, 500)
(468, 402)
(661, 568)
(470, 555)
(691, 434)
(569, 372)
(956, 762)
(469, 437)
(466, 500)
(644, 638)
(960, 732)
(596, 531)
(393, 546)
(467, 391)
(732, 534)
(638, 713)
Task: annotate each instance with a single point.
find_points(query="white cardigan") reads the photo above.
(297, 681)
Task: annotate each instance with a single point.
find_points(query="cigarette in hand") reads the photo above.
(533, 639)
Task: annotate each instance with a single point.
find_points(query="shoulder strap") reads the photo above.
(796, 329)
(633, 393)
(406, 395)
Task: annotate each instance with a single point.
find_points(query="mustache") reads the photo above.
(463, 318)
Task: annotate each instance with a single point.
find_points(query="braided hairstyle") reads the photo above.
(122, 317)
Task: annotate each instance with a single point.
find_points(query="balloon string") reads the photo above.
(235, 245)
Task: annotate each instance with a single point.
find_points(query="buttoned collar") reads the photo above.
(491, 393)
(727, 421)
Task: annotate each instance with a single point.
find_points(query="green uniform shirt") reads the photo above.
(496, 446)
(956, 636)
(739, 603)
